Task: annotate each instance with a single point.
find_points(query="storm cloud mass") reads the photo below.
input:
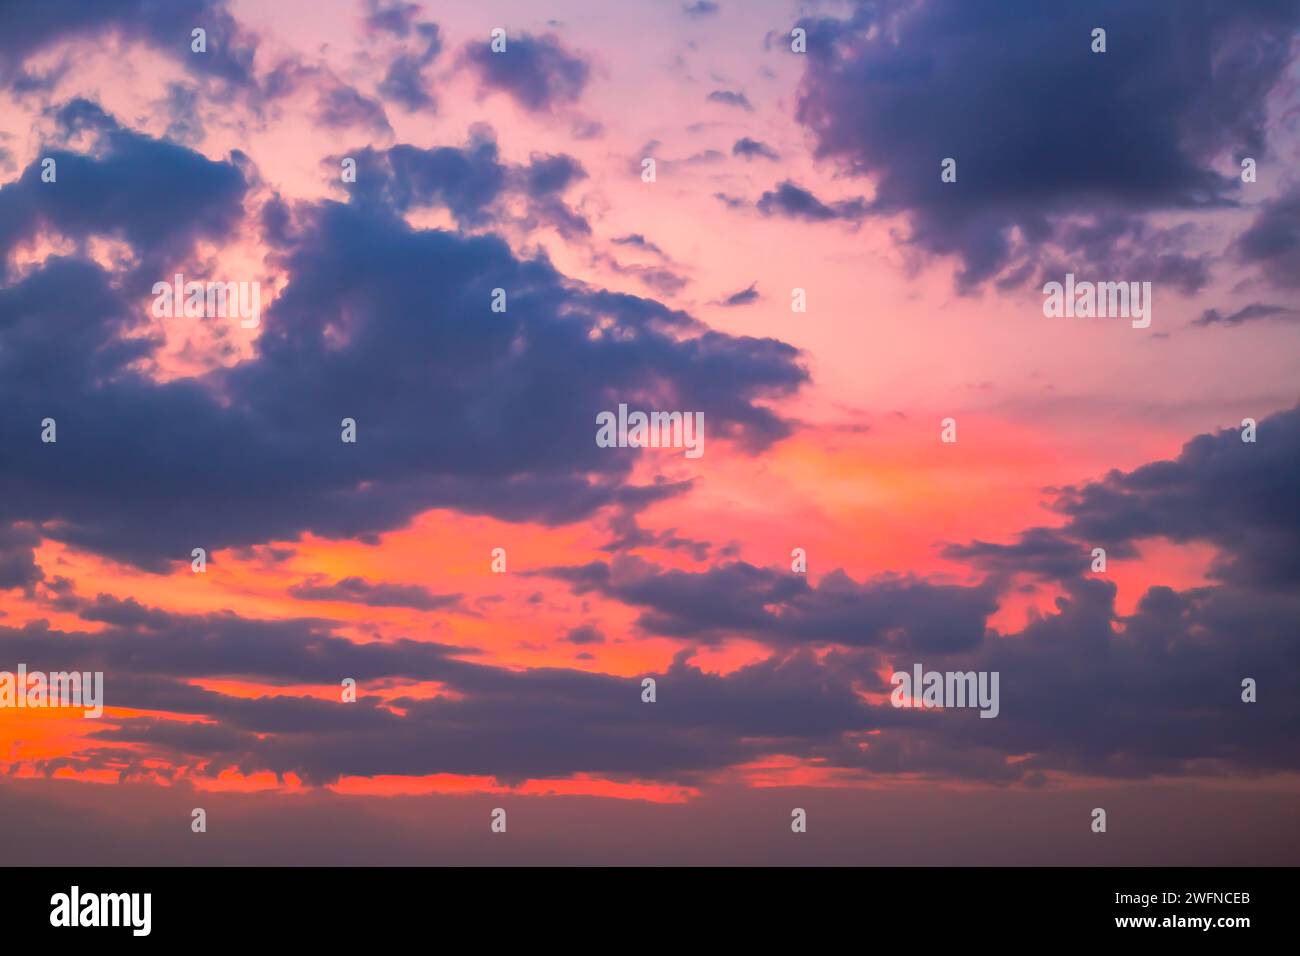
(1044, 131)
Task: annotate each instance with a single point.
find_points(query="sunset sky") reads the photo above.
(775, 170)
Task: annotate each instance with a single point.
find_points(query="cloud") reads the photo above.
(706, 157)
(1236, 495)
(470, 182)
(1250, 313)
(1273, 240)
(1084, 689)
(1161, 694)
(546, 174)
(18, 567)
(1219, 490)
(753, 149)
(737, 598)
(395, 18)
(357, 590)
(538, 73)
(744, 296)
(405, 82)
(794, 202)
(585, 635)
(510, 724)
(658, 279)
(376, 321)
(640, 242)
(731, 98)
(1119, 244)
(181, 102)
(153, 643)
(894, 88)
(160, 197)
(698, 9)
(340, 106)
(30, 29)
(467, 182)
(545, 178)
(628, 534)
(1159, 697)
(1042, 552)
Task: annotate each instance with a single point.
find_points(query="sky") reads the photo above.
(825, 228)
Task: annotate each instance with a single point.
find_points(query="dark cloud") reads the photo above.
(545, 178)
(627, 534)
(158, 196)
(538, 73)
(731, 98)
(18, 567)
(1042, 552)
(339, 106)
(357, 590)
(659, 279)
(395, 17)
(1119, 244)
(640, 242)
(753, 149)
(706, 157)
(896, 87)
(1273, 240)
(1249, 313)
(546, 175)
(551, 211)
(152, 643)
(586, 634)
(1237, 495)
(510, 724)
(535, 724)
(737, 598)
(182, 104)
(744, 296)
(377, 322)
(1162, 697)
(277, 222)
(405, 82)
(29, 29)
(1083, 689)
(795, 202)
(467, 182)
(700, 8)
